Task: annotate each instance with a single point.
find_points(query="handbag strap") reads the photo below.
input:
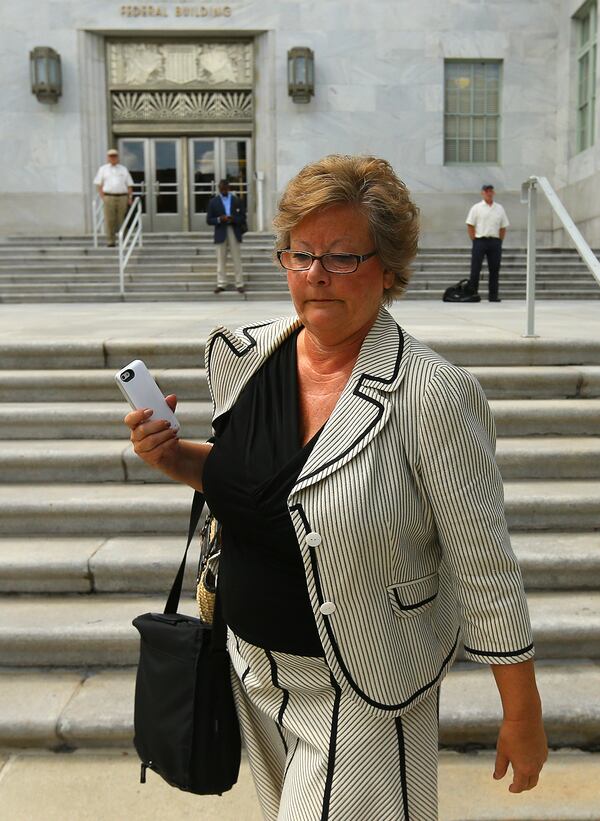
(172, 604)
(219, 628)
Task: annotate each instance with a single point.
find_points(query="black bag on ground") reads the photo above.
(186, 726)
(461, 292)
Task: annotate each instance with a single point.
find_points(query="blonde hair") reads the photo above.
(371, 183)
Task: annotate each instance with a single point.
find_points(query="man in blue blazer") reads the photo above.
(228, 214)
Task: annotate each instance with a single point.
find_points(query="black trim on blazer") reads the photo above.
(412, 606)
(357, 392)
(313, 560)
(246, 332)
(402, 756)
(291, 759)
(499, 655)
(332, 749)
(284, 700)
(252, 343)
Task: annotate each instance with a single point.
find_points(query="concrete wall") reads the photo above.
(577, 176)
(379, 89)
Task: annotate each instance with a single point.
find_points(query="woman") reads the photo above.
(353, 472)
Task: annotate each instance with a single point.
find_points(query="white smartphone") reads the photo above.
(141, 391)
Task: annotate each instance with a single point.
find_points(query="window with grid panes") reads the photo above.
(586, 75)
(471, 111)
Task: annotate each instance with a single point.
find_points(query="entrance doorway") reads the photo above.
(175, 177)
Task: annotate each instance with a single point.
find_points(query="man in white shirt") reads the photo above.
(486, 225)
(115, 186)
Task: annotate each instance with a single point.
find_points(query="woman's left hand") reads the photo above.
(522, 743)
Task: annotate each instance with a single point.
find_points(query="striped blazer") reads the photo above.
(399, 515)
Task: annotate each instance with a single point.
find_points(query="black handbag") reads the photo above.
(461, 292)
(186, 726)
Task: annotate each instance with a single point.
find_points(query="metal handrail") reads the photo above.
(130, 234)
(97, 217)
(529, 195)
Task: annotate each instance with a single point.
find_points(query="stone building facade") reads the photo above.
(454, 93)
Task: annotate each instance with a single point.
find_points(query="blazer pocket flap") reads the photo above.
(411, 598)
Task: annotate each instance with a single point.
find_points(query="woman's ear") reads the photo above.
(388, 279)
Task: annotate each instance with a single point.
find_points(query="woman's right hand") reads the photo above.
(153, 441)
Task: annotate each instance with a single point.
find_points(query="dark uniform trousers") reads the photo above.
(490, 247)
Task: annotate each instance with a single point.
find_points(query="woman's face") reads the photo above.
(334, 307)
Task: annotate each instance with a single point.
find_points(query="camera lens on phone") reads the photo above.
(127, 375)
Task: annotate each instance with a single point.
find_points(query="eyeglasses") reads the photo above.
(334, 263)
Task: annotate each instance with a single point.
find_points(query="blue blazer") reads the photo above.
(216, 209)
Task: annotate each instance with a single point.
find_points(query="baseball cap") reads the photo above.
(112, 151)
(486, 187)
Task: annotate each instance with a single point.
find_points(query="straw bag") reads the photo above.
(208, 568)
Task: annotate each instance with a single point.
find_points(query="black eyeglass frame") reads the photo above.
(359, 258)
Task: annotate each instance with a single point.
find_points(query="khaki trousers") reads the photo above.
(233, 245)
(115, 210)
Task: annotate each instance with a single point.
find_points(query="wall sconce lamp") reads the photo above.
(46, 74)
(301, 74)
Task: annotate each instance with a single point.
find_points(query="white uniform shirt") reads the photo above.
(487, 219)
(114, 179)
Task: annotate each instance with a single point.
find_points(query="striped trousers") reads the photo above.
(315, 753)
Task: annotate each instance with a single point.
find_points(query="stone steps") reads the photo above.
(109, 508)
(189, 384)
(85, 460)
(104, 420)
(196, 277)
(80, 420)
(168, 352)
(147, 563)
(172, 266)
(96, 630)
(99, 385)
(86, 709)
(79, 559)
(160, 263)
(125, 508)
(251, 295)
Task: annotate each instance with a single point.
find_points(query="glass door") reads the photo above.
(234, 162)
(155, 167)
(165, 197)
(203, 179)
(212, 159)
(133, 154)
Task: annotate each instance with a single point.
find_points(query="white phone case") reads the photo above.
(141, 391)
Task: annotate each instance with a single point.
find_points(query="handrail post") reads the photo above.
(97, 207)
(260, 214)
(531, 254)
(130, 235)
(121, 266)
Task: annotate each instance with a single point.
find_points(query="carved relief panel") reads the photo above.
(180, 81)
(164, 65)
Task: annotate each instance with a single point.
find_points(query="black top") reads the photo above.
(248, 476)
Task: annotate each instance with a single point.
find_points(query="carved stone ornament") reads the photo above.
(164, 65)
(129, 106)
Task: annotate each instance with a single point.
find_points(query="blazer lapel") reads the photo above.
(365, 404)
(235, 358)
(363, 407)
